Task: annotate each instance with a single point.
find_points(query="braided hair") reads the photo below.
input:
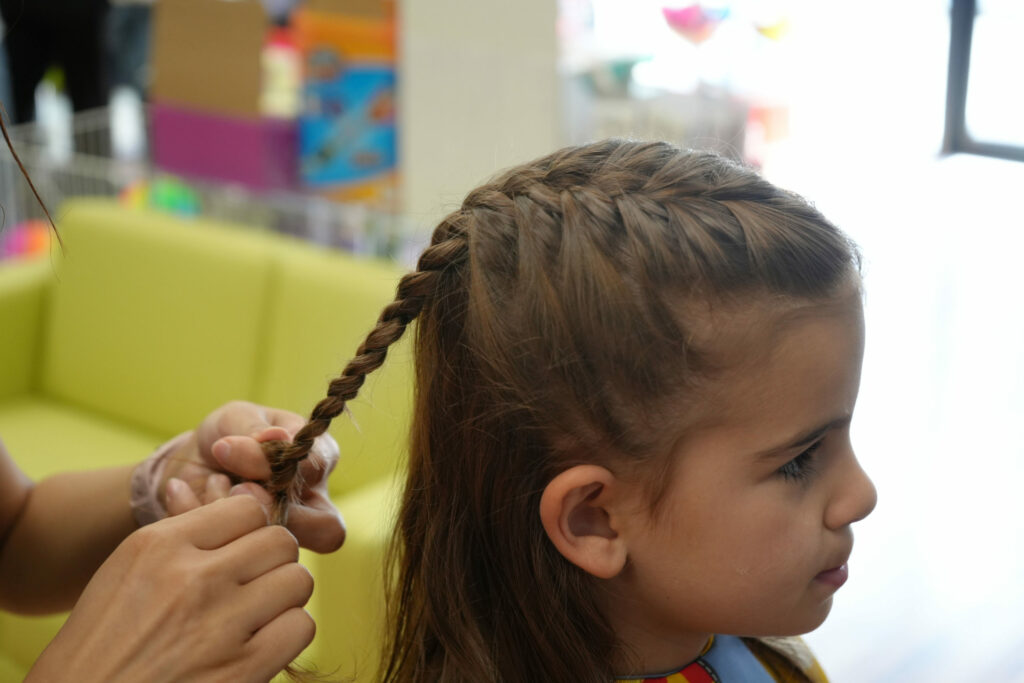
(447, 248)
(552, 330)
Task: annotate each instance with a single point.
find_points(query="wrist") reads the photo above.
(146, 480)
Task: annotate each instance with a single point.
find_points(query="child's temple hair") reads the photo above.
(557, 313)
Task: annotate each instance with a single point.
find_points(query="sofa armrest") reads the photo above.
(348, 601)
(23, 294)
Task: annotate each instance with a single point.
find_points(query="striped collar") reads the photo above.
(725, 659)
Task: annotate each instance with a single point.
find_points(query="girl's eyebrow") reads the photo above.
(806, 438)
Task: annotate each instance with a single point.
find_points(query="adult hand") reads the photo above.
(211, 595)
(224, 456)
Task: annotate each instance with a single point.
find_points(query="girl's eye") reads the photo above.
(801, 467)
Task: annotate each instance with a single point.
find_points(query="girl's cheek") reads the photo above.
(783, 533)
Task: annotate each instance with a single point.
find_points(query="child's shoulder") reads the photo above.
(787, 659)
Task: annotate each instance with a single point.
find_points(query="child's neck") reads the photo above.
(647, 649)
(646, 653)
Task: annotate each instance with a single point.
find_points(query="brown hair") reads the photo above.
(545, 306)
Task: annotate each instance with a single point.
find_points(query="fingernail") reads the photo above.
(242, 490)
(174, 486)
(221, 451)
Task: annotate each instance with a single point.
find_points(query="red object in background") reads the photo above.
(25, 240)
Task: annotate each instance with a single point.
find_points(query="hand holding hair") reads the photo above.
(212, 594)
(225, 455)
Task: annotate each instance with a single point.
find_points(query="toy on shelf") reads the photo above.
(347, 140)
(282, 75)
(25, 240)
(164, 194)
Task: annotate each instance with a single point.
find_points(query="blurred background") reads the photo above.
(357, 123)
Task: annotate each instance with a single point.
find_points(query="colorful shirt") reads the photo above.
(728, 659)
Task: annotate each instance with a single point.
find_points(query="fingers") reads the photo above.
(249, 419)
(322, 460)
(280, 641)
(217, 486)
(180, 497)
(317, 524)
(255, 554)
(222, 521)
(243, 456)
(242, 418)
(289, 421)
(255, 490)
(266, 597)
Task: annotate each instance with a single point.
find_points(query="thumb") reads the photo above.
(272, 433)
(243, 456)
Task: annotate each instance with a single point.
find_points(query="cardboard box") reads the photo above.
(206, 55)
(206, 116)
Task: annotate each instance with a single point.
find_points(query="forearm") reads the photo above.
(69, 525)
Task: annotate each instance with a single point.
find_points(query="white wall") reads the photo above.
(479, 92)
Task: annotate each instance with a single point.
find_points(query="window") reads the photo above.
(985, 101)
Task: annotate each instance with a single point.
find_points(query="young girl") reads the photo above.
(630, 457)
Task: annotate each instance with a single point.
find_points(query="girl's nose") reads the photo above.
(854, 498)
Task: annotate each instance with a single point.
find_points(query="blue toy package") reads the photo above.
(347, 129)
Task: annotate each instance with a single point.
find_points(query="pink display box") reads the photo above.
(261, 154)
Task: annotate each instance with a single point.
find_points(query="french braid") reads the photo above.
(447, 250)
(571, 337)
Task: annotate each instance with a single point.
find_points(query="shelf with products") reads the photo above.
(84, 155)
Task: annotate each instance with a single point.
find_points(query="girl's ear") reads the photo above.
(578, 510)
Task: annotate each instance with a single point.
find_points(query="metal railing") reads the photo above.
(88, 167)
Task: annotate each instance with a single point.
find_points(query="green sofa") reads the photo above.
(146, 323)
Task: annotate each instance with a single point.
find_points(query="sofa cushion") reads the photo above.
(154, 319)
(322, 305)
(45, 436)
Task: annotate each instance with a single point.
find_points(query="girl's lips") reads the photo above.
(835, 577)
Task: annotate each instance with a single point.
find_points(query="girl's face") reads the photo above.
(753, 533)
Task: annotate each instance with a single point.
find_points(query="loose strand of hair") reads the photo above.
(24, 173)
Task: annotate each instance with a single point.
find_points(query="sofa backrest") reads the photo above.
(322, 305)
(23, 288)
(156, 320)
(153, 320)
